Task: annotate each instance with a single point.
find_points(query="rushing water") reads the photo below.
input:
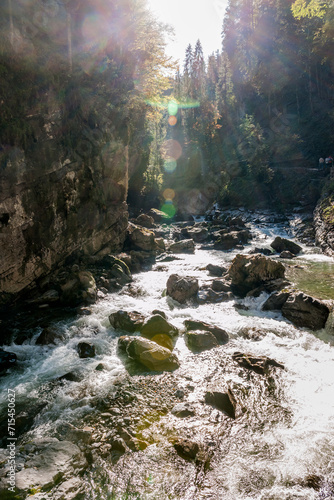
(270, 449)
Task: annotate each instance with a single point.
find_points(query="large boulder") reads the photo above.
(281, 244)
(199, 341)
(148, 353)
(221, 335)
(159, 330)
(158, 215)
(50, 335)
(305, 311)
(182, 288)
(129, 321)
(183, 246)
(248, 272)
(141, 238)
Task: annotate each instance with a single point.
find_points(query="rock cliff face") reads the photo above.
(324, 224)
(64, 139)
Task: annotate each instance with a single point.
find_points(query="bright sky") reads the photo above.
(191, 19)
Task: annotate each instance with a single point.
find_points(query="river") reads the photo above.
(283, 436)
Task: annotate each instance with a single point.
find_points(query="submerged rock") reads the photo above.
(248, 272)
(223, 401)
(281, 244)
(50, 335)
(258, 364)
(183, 410)
(129, 321)
(305, 311)
(7, 359)
(86, 350)
(199, 341)
(52, 462)
(148, 353)
(182, 288)
(186, 449)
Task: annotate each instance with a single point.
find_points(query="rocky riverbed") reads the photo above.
(185, 379)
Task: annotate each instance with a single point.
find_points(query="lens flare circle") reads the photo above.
(172, 120)
(169, 209)
(170, 165)
(169, 194)
(172, 108)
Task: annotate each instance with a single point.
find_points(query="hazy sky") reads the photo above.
(191, 19)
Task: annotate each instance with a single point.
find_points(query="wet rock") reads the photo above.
(221, 335)
(183, 410)
(216, 270)
(280, 244)
(275, 301)
(157, 215)
(86, 350)
(230, 240)
(198, 234)
(100, 367)
(156, 311)
(305, 311)
(248, 272)
(252, 333)
(223, 401)
(49, 297)
(53, 461)
(148, 353)
(258, 364)
(221, 285)
(287, 255)
(182, 288)
(264, 251)
(199, 341)
(141, 238)
(159, 330)
(145, 220)
(183, 246)
(121, 274)
(129, 321)
(209, 295)
(160, 244)
(7, 359)
(50, 335)
(186, 449)
(79, 288)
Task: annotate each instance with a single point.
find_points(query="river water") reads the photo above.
(284, 432)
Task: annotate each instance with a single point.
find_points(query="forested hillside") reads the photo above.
(263, 102)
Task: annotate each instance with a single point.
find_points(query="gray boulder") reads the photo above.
(86, 350)
(159, 330)
(223, 401)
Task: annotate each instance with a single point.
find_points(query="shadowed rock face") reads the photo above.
(305, 311)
